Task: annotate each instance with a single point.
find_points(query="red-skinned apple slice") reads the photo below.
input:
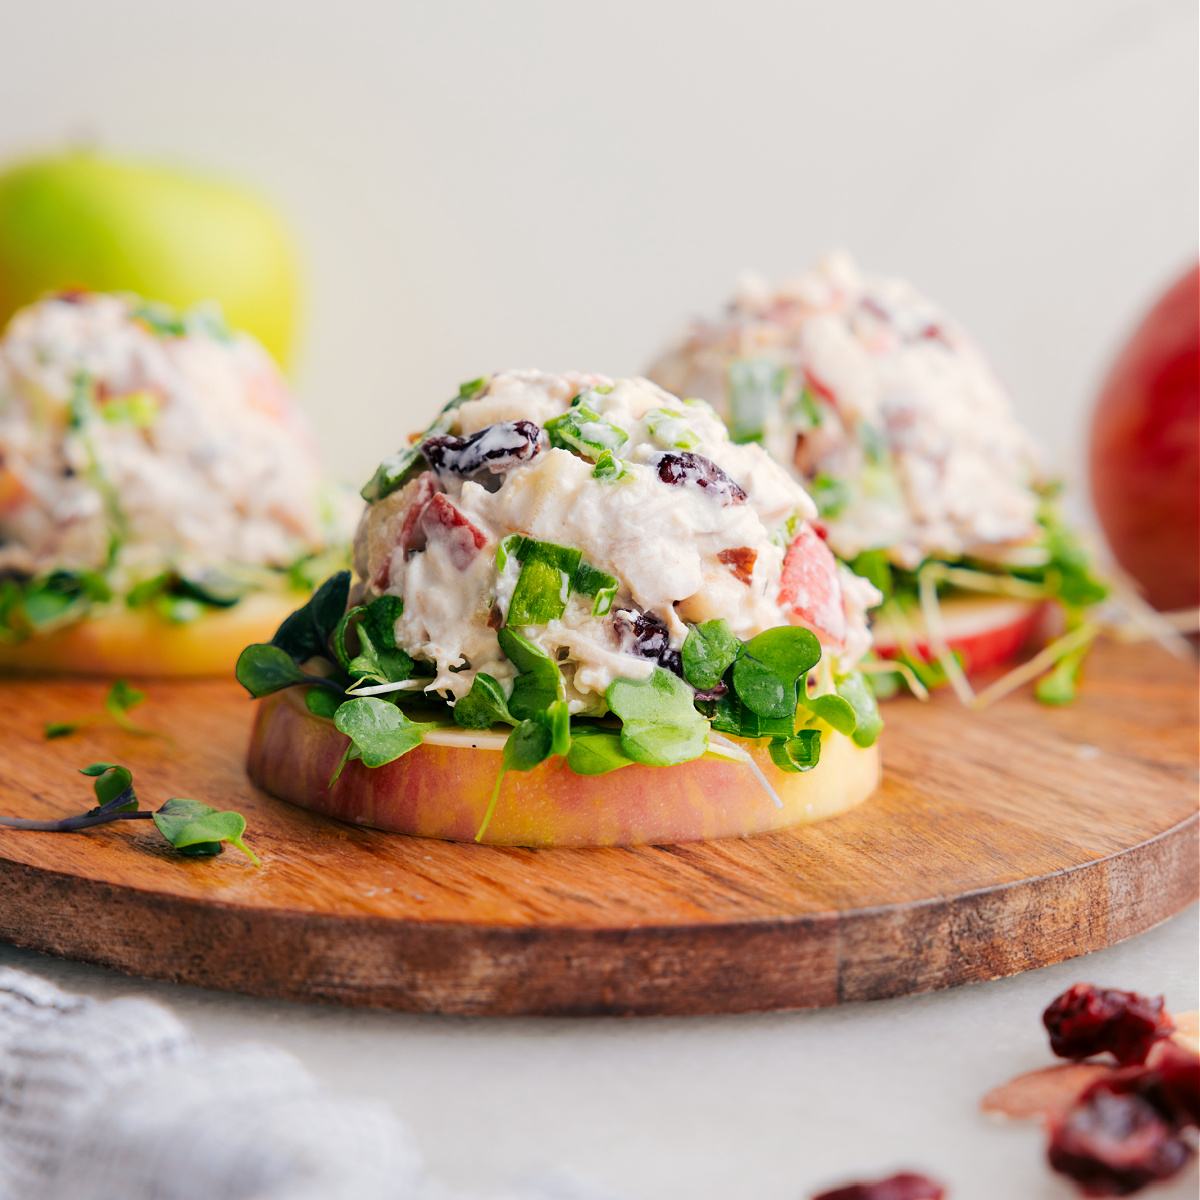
(443, 790)
(987, 631)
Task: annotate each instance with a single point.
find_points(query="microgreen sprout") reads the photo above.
(193, 828)
(120, 698)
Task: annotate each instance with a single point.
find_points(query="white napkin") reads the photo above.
(115, 1101)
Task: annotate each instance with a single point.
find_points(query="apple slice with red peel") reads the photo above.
(809, 587)
(443, 790)
(987, 631)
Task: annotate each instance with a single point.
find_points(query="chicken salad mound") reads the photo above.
(890, 416)
(148, 456)
(557, 551)
(870, 392)
(636, 486)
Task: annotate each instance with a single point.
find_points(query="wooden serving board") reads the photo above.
(997, 843)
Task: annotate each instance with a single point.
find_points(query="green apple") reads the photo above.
(84, 220)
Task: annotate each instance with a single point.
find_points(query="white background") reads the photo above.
(549, 183)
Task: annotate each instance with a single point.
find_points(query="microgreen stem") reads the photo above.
(889, 666)
(69, 824)
(984, 581)
(932, 612)
(1040, 662)
(749, 761)
(404, 685)
(491, 808)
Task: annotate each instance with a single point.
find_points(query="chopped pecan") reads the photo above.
(740, 561)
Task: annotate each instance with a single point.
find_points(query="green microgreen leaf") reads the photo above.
(378, 664)
(730, 715)
(584, 431)
(113, 785)
(855, 690)
(874, 565)
(265, 668)
(378, 731)
(117, 701)
(835, 711)
(709, 650)
(540, 682)
(321, 702)
(660, 724)
(609, 469)
(191, 826)
(305, 633)
(755, 387)
(530, 743)
(120, 699)
(596, 751)
(484, 705)
(831, 495)
(800, 752)
(1058, 685)
(766, 675)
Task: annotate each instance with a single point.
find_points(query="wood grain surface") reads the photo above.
(998, 842)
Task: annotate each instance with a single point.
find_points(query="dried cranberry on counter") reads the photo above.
(1087, 1020)
(496, 449)
(905, 1186)
(1116, 1139)
(685, 469)
(647, 636)
(1178, 1072)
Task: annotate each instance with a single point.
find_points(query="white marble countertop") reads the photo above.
(765, 1107)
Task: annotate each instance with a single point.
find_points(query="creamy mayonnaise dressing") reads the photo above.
(182, 444)
(861, 382)
(695, 528)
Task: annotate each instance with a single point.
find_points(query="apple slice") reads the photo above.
(127, 641)
(987, 631)
(442, 789)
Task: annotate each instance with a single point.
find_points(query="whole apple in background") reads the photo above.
(1145, 451)
(84, 220)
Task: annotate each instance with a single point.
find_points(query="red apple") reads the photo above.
(1145, 451)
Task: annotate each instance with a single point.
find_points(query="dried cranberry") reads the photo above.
(1178, 1088)
(905, 1186)
(647, 636)
(1115, 1140)
(496, 449)
(1088, 1020)
(685, 469)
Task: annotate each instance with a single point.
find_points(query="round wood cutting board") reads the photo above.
(998, 842)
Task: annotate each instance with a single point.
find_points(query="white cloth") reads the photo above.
(116, 1101)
